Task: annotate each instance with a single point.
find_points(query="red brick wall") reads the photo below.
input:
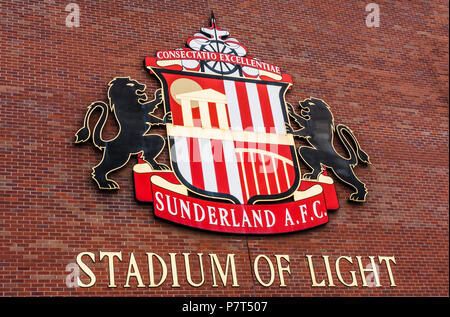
(389, 84)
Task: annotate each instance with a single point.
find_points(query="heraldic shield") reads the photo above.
(228, 137)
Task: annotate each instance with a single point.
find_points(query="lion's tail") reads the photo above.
(84, 133)
(363, 157)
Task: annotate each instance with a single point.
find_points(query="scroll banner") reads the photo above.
(217, 57)
(171, 202)
(173, 60)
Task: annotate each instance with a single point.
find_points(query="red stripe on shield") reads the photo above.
(244, 107)
(266, 108)
(196, 163)
(220, 167)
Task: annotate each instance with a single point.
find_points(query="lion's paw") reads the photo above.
(288, 128)
(310, 176)
(109, 184)
(158, 95)
(168, 117)
(163, 167)
(358, 197)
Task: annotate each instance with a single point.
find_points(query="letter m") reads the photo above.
(215, 264)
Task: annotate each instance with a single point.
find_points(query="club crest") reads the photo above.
(234, 163)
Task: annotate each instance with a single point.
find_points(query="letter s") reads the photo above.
(86, 269)
(160, 205)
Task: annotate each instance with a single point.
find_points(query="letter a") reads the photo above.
(73, 18)
(373, 18)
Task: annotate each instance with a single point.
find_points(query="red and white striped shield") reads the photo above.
(228, 138)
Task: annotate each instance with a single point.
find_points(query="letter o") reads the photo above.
(272, 270)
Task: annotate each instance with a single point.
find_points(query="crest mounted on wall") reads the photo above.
(234, 164)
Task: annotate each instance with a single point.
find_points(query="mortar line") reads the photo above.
(250, 262)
